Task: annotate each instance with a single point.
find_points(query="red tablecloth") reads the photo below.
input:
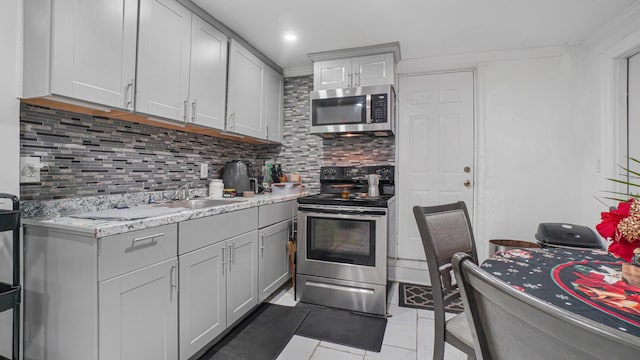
(587, 283)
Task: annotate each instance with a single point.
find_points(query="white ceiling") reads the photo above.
(424, 28)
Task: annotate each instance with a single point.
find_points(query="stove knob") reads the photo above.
(387, 172)
(333, 172)
(379, 172)
(326, 172)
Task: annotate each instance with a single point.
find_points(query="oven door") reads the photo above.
(342, 242)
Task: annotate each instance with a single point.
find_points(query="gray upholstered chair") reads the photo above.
(446, 230)
(510, 324)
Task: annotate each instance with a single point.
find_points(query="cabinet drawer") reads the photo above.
(198, 233)
(274, 213)
(120, 254)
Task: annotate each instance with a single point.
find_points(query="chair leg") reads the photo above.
(438, 345)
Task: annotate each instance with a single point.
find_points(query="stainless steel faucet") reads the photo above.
(185, 189)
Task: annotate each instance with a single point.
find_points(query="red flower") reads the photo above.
(610, 220)
(623, 249)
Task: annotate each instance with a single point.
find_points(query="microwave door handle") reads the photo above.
(368, 120)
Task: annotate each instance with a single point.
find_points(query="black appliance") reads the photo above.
(568, 235)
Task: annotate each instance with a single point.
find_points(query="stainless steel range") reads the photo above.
(343, 236)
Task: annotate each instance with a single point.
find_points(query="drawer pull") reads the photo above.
(148, 237)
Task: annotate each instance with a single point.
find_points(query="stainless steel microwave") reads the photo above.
(366, 109)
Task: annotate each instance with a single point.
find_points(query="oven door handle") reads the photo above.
(342, 212)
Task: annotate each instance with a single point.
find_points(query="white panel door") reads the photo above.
(94, 50)
(273, 258)
(274, 92)
(332, 74)
(203, 296)
(242, 278)
(138, 314)
(435, 149)
(246, 89)
(373, 70)
(163, 59)
(208, 74)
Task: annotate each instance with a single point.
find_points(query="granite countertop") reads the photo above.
(102, 228)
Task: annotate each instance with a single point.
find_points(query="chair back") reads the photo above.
(444, 230)
(509, 324)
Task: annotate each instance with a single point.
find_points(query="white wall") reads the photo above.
(10, 50)
(530, 144)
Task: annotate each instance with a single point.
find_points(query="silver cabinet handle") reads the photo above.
(230, 256)
(129, 95)
(152, 237)
(232, 121)
(224, 263)
(172, 282)
(262, 236)
(267, 132)
(193, 111)
(186, 111)
(349, 80)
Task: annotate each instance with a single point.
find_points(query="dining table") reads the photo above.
(585, 282)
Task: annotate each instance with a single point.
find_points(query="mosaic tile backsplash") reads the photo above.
(305, 154)
(87, 155)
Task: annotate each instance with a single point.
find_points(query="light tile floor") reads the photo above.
(409, 336)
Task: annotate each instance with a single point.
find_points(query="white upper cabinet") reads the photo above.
(208, 74)
(352, 72)
(163, 59)
(274, 93)
(182, 65)
(84, 50)
(246, 90)
(332, 74)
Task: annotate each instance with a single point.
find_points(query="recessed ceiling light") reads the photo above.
(290, 36)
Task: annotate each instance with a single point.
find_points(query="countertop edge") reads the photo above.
(103, 228)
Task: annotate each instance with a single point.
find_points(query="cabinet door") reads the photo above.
(373, 70)
(332, 74)
(273, 258)
(203, 297)
(208, 74)
(242, 278)
(163, 59)
(274, 92)
(138, 314)
(94, 50)
(246, 77)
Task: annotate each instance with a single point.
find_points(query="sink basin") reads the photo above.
(199, 203)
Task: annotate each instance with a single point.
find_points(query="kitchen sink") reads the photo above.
(200, 203)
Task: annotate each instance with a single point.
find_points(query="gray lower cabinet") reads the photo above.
(138, 314)
(219, 279)
(159, 293)
(107, 298)
(273, 257)
(203, 297)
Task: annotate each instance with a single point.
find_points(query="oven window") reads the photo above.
(341, 240)
(336, 111)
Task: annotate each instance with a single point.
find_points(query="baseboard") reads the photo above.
(408, 271)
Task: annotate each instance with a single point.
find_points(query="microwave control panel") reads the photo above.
(379, 108)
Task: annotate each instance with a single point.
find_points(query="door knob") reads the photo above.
(467, 183)
(467, 169)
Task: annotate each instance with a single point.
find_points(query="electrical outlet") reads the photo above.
(204, 171)
(30, 169)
